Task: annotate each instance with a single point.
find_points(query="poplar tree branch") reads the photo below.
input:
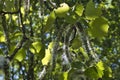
(24, 38)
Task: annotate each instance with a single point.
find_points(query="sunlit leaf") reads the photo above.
(108, 72)
(92, 11)
(2, 37)
(50, 21)
(14, 17)
(100, 72)
(99, 27)
(100, 65)
(36, 47)
(20, 55)
(84, 53)
(47, 57)
(62, 10)
(79, 9)
(100, 68)
(65, 74)
(51, 44)
(16, 36)
(7, 16)
(23, 11)
(108, 4)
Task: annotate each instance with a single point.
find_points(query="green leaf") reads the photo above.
(62, 10)
(70, 74)
(76, 44)
(79, 9)
(77, 64)
(21, 54)
(100, 72)
(99, 27)
(2, 37)
(100, 68)
(91, 72)
(84, 53)
(71, 18)
(51, 44)
(42, 52)
(92, 11)
(65, 75)
(50, 21)
(100, 65)
(1, 5)
(47, 57)
(9, 5)
(107, 72)
(1, 52)
(36, 47)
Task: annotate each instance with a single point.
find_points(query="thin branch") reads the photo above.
(7, 12)
(66, 54)
(52, 3)
(21, 19)
(54, 54)
(17, 48)
(42, 73)
(86, 42)
(4, 12)
(6, 32)
(30, 73)
(24, 38)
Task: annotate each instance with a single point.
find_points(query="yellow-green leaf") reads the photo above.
(20, 55)
(47, 57)
(100, 72)
(92, 11)
(79, 9)
(84, 53)
(99, 27)
(50, 21)
(71, 18)
(100, 68)
(91, 72)
(62, 10)
(76, 44)
(100, 65)
(107, 71)
(36, 47)
(51, 44)
(2, 37)
(65, 75)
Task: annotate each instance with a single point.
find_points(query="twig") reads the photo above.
(24, 38)
(17, 48)
(6, 32)
(85, 42)
(42, 73)
(21, 20)
(4, 12)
